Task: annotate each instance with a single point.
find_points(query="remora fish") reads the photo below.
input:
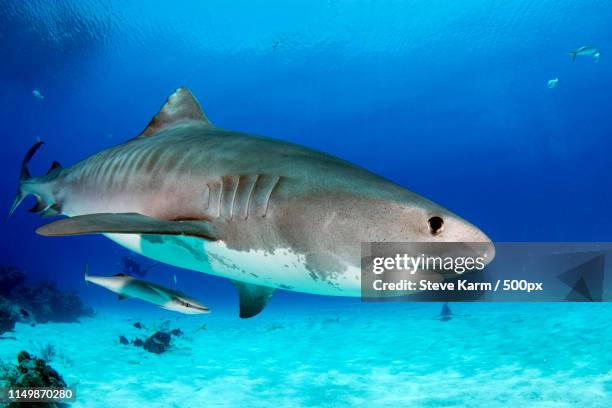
(586, 50)
(264, 213)
(129, 287)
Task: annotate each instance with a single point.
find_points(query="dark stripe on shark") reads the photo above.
(130, 223)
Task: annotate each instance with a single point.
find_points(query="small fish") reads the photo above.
(586, 50)
(129, 287)
(174, 278)
(553, 83)
(138, 325)
(24, 313)
(38, 94)
(275, 45)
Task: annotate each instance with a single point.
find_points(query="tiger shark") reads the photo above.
(264, 213)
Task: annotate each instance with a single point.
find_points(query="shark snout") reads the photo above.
(451, 228)
(484, 250)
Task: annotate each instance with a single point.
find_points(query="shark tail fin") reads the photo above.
(25, 179)
(573, 55)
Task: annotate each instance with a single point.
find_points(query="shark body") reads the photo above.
(129, 287)
(264, 213)
(586, 50)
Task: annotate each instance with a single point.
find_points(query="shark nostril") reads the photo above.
(436, 224)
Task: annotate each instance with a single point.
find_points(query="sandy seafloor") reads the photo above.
(545, 355)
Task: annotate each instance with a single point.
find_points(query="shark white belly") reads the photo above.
(281, 268)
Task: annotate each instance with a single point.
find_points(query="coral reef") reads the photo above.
(10, 279)
(41, 303)
(8, 317)
(47, 352)
(157, 343)
(31, 372)
(176, 332)
(48, 304)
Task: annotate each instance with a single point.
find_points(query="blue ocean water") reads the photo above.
(448, 99)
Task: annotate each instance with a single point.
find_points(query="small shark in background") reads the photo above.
(129, 287)
(38, 94)
(588, 51)
(447, 314)
(264, 213)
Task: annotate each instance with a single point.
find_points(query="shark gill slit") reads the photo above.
(206, 198)
(274, 185)
(235, 183)
(220, 203)
(250, 196)
(227, 190)
(246, 185)
(214, 198)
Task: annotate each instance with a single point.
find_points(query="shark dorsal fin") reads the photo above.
(181, 106)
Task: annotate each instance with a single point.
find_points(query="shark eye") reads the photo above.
(436, 225)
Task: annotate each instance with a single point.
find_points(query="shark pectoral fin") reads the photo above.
(253, 298)
(129, 223)
(122, 297)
